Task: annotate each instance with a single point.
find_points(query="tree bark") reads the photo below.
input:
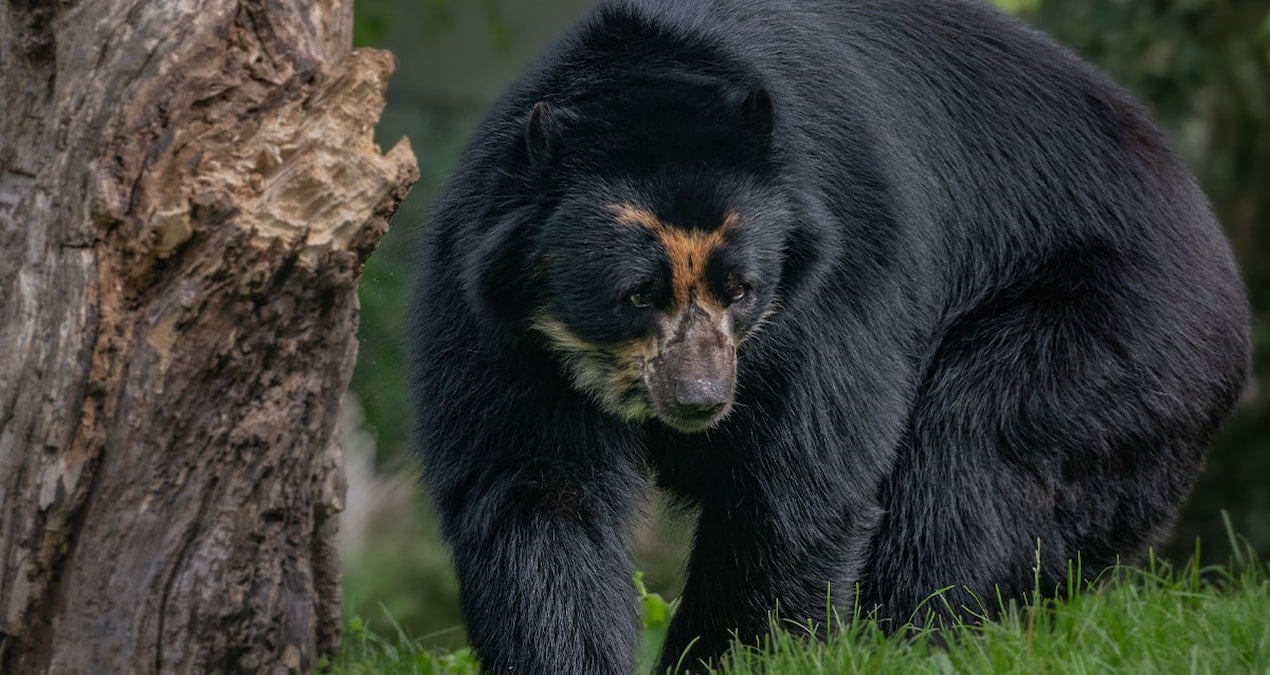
(188, 191)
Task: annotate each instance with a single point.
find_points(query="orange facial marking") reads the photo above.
(687, 250)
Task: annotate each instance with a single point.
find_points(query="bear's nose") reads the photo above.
(700, 397)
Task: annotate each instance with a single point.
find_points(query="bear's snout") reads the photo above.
(693, 380)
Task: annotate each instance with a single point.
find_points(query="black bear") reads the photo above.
(893, 294)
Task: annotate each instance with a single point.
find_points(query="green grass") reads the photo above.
(1153, 619)
(1215, 620)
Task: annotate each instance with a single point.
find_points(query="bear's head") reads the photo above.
(655, 244)
(647, 313)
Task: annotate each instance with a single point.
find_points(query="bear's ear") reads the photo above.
(759, 112)
(541, 134)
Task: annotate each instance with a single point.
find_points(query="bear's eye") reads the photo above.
(640, 299)
(737, 291)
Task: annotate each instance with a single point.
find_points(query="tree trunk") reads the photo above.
(188, 191)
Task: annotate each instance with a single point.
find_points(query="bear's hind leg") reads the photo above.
(1067, 419)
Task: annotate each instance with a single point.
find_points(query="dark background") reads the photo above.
(1203, 67)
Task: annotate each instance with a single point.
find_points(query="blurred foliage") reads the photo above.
(375, 17)
(1017, 6)
(1202, 66)
(380, 376)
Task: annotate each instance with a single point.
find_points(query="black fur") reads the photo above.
(1001, 317)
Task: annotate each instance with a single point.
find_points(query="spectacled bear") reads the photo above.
(893, 294)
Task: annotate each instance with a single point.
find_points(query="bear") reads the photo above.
(895, 297)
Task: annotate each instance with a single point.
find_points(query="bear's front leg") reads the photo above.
(767, 555)
(544, 575)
